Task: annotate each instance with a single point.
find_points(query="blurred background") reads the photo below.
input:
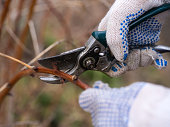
(28, 27)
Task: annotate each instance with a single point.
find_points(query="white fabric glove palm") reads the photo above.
(118, 36)
(137, 105)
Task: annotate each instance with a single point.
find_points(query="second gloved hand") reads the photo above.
(137, 105)
(119, 38)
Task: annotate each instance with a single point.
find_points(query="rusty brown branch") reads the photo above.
(5, 89)
(4, 13)
(62, 21)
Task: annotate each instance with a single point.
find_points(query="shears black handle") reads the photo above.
(101, 35)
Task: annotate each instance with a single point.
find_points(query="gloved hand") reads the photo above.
(118, 36)
(138, 105)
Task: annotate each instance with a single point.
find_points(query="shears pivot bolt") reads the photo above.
(89, 63)
(96, 50)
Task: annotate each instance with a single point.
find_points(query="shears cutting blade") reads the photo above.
(95, 55)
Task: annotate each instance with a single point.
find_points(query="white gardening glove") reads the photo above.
(138, 105)
(118, 36)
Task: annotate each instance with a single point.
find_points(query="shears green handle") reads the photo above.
(101, 35)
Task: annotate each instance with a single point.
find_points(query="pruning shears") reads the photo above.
(95, 55)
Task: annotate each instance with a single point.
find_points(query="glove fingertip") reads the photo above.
(118, 69)
(87, 98)
(161, 63)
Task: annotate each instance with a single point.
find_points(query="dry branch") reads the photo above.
(5, 89)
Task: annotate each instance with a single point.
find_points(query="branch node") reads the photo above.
(8, 86)
(10, 94)
(32, 75)
(74, 77)
(35, 69)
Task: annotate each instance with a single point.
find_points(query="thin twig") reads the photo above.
(4, 13)
(34, 37)
(16, 60)
(16, 39)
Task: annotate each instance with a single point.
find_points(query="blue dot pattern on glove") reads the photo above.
(146, 33)
(110, 107)
(160, 62)
(118, 67)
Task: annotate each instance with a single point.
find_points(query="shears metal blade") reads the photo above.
(63, 61)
